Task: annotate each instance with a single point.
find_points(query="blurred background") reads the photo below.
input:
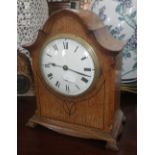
(119, 16)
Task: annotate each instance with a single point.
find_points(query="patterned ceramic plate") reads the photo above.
(120, 18)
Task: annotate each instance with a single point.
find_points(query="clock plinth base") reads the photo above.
(112, 146)
(31, 124)
(81, 131)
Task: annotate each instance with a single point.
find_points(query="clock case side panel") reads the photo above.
(112, 91)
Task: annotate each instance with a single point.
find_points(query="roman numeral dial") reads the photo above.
(57, 84)
(67, 88)
(49, 55)
(83, 58)
(85, 80)
(87, 69)
(65, 44)
(55, 47)
(76, 49)
(50, 76)
(68, 66)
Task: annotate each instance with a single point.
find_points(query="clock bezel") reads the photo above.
(90, 51)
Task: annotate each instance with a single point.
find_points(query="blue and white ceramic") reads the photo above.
(120, 18)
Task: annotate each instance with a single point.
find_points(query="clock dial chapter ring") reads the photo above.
(69, 65)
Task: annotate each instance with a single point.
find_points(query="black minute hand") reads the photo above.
(78, 72)
(65, 67)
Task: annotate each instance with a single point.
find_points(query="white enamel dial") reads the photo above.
(67, 65)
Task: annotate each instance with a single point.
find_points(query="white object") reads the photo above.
(31, 16)
(70, 74)
(120, 18)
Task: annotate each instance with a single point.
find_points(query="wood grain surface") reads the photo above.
(42, 141)
(96, 110)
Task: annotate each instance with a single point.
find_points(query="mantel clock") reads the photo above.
(76, 67)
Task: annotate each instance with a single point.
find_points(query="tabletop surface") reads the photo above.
(42, 141)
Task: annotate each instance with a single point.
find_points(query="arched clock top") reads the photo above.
(90, 21)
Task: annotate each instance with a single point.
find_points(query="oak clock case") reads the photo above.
(69, 65)
(76, 67)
